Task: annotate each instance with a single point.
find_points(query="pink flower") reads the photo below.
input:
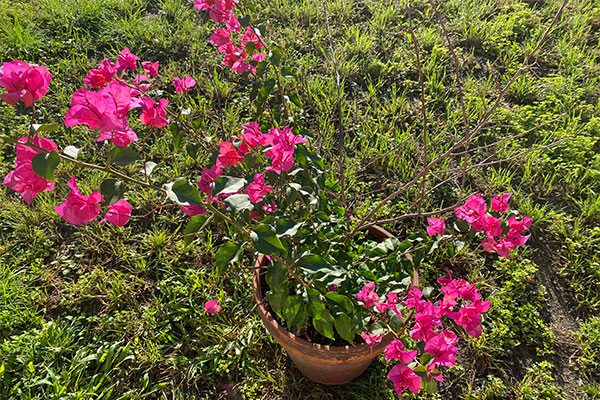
(204, 4)
(212, 307)
(367, 295)
(389, 304)
(190, 211)
(99, 77)
(489, 243)
(127, 60)
(252, 134)
(270, 208)
(445, 353)
(150, 68)
(503, 247)
(371, 339)
(395, 350)
(500, 202)
(23, 82)
(282, 150)
(120, 137)
(152, 114)
(183, 85)
(436, 226)
(26, 153)
(23, 180)
(77, 208)
(250, 36)
(220, 37)
(404, 378)
(257, 190)
(473, 210)
(118, 213)
(228, 155)
(208, 177)
(492, 225)
(232, 23)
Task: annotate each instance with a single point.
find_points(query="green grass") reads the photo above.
(99, 312)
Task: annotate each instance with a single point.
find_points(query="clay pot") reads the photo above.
(331, 365)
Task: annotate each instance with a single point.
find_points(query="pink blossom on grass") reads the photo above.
(23, 180)
(252, 134)
(492, 225)
(270, 208)
(190, 211)
(220, 37)
(436, 225)
(26, 153)
(371, 339)
(183, 85)
(444, 353)
(228, 155)
(473, 210)
(500, 202)
(77, 208)
(204, 4)
(23, 82)
(212, 307)
(118, 213)
(150, 68)
(403, 378)
(126, 60)
(153, 114)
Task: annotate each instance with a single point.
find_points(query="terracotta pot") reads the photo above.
(331, 365)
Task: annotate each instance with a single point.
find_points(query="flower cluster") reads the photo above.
(461, 303)
(23, 82)
(242, 58)
(22, 179)
(278, 145)
(474, 211)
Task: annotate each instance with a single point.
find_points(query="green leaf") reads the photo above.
(244, 21)
(315, 305)
(238, 203)
(183, 192)
(276, 275)
(377, 328)
(343, 325)
(177, 134)
(228, 253)
(426, 358)
(112, 190)
(277, 300)
(195, 225)
(44, 164)
(294, 312)
(123, 155)
(249, 48)
(312, 263)
(192, 149)
(46, 127)
(431, 386)
(462, 226)
(294, 98)
(288, 72)
(287, 227)
(324, 324)
(276, 55)
(72, 151)
(228, 184)
(266, 241)
(421, 371)
(261, 68)
(342, 301)
(396, 322)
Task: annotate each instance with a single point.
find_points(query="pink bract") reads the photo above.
(371, 339)
(436, 225)
(473, 210)
(77, 208)
(257, 190)
(367, 295)
(183, 85)
(118, 213)
(190, 211)
(404, 378)
(153, 114)
(127, 60)
(395, 350)
(23, 82)
(500, 202)
(23, 180)
(212, 307)
(150, 68)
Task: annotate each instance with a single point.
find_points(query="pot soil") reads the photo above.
(331, 365)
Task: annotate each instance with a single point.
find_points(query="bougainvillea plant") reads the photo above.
(279, 198)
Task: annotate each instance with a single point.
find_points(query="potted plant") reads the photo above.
(324, 278)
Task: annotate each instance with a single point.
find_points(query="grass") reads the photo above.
(99, 312)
